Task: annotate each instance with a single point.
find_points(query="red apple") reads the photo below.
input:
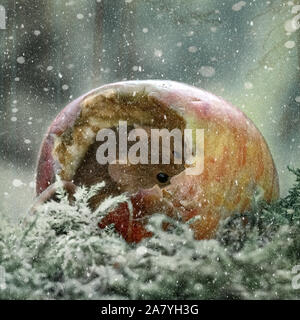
(237, 160)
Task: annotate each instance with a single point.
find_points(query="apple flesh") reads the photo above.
(237, 160)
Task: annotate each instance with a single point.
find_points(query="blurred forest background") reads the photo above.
(52, 51)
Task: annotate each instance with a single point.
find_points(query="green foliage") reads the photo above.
(60, 253)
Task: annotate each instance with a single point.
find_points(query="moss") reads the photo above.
(61, 254)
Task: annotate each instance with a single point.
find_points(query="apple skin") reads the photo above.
(237, 160)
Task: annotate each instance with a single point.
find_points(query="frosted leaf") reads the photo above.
(238, 6)
(111, 202)
(207, 71)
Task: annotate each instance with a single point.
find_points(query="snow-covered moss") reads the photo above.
(60, 253)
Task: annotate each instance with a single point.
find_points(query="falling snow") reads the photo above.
(20, 60)
(290, 44)
(207, 71)
(248, 85)
(193, 49)
(177, 264)
(238, 6)
(158, 53)
(17, 183)
(245, 51)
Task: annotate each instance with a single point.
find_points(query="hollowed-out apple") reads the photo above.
(237, 160)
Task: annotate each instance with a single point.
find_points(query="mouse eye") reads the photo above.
(162, 177)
